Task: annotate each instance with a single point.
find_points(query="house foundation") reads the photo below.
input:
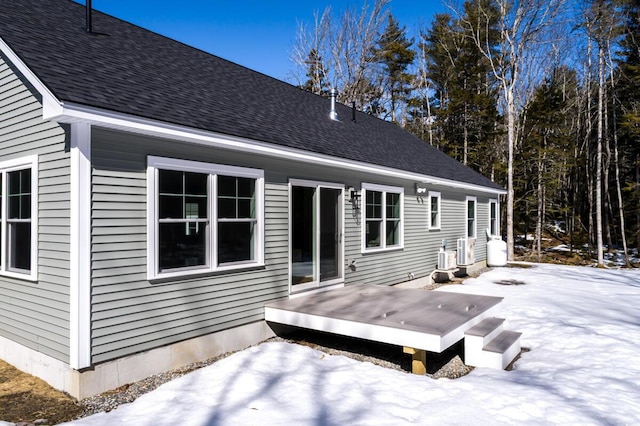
(129, 369)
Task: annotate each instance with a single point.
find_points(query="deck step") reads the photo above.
(488, 345)
(486, 328)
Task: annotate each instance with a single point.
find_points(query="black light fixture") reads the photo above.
(354, 198)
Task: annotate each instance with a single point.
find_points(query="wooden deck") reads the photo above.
(419, 320)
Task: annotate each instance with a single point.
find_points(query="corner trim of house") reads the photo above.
(80, 248)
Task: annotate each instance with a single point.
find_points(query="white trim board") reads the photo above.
(80, 248)
(69, 113)
(49, 101)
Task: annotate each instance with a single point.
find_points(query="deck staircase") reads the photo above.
(487, 344)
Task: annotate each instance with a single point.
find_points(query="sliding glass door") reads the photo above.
(316, 234)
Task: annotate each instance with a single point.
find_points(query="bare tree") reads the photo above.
(525, 28)
(311, 52)
(344, 45)
(352, 46)
(602, 24)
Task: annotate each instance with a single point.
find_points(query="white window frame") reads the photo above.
(383, 233)
(475, 217)
(30, 162)
(494, 202)
(438, 196)
(154, 164)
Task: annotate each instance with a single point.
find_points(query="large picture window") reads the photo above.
(383, 217)
(18, 190)
(203, 217)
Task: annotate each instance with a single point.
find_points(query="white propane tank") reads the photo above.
(496, 252)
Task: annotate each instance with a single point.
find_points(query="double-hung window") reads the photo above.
(471, 217)
(383, 217)
(18, 230)
(434, 210)
(202, 217)
(493, 217)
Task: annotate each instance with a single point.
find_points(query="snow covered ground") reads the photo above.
(582, 326)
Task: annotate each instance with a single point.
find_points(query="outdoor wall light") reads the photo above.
(354, 198)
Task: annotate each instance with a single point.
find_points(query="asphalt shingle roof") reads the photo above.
(127, 69)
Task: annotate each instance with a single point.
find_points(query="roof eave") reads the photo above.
(70, 113)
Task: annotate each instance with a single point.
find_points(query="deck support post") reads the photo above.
(418, 360)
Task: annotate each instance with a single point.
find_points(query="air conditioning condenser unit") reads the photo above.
(446, 260)
(466, 251)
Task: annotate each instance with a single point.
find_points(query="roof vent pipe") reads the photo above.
(333, 114)
(88, 7)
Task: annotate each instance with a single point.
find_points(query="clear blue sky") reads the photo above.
(257, 34)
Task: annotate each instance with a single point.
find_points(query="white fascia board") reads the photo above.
(80, 248)
(74, 112)
(50, 104)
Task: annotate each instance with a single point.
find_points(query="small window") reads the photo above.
(18, 189)
(494, 217)
(471, 217)
(203, 217)
(383, 221)
(434, 210)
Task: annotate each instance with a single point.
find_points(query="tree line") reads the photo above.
(542, 96)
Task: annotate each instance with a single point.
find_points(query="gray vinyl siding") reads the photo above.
(131, 314)
(36, 314)
(419, 256)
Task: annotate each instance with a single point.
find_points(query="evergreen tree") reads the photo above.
(548, 143)
(628, 97)
(464, 101)
(317, 81)
(393, 52)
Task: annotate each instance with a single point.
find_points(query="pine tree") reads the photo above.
(465, 93)
(317, 81)
(628, 103)
(393, 52)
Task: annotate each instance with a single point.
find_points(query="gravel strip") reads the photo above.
(445, 365)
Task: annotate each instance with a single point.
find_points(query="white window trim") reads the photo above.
(438, 196)
(163, 163)
(497, 204)
(30, 162)
(316, 285)
(363, 205)
(475, 217)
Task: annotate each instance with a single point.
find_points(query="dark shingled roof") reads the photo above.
(127, 69)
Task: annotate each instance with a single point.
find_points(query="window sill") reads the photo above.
(382, 250)
(203, 273)
(31, 277)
